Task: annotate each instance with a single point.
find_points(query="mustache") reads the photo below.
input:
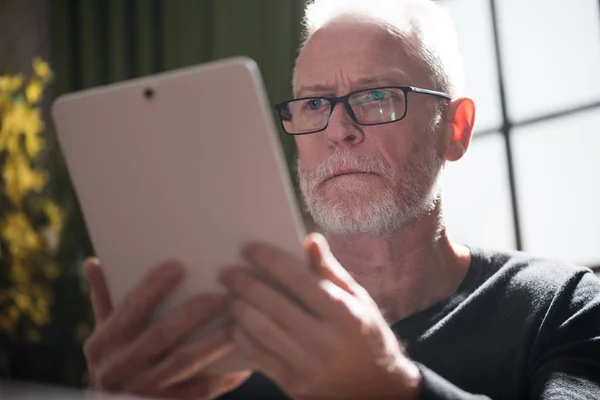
(343, 159)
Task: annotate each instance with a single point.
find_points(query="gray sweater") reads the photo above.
(516, 328)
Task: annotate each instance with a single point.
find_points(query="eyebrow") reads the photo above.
(362, 83)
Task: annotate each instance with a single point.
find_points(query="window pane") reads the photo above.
(477, 196)
(551, 54)
(472, 19)
(557, 168)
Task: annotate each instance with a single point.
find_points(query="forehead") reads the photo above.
(350, 51)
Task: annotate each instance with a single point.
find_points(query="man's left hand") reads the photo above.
(326, 338)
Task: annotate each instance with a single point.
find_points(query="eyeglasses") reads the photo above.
(375, 106)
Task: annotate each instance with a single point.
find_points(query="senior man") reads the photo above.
(388, 307)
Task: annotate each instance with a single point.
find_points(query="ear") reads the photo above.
(459, 127)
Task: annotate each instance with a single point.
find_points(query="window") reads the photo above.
(530, 181)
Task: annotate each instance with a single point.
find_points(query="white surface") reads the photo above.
(472, 19)
(557, 167)
(191, 174)
(551, 54)
(477, 196)
(32, 391)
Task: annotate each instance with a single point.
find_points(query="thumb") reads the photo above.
(323, 262)
(101, 303)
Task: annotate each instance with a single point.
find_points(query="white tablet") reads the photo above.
(185, 164)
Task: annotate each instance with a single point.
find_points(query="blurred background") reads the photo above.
(529, 182)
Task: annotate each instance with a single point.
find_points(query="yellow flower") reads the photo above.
(19, 235)
(8, 141)
(21, 119)
(13, 311)
(13, 119)
(54, 214)
(34, 143)
(30, 272)
(5, 102)
(19, 273)
(20, 179)
(10, 83)
(22, 301)
(41, 69)
(33, 91)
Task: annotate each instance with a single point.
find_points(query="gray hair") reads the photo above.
(426, 30)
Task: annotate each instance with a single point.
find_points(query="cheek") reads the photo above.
(311, 150)
(394, 143)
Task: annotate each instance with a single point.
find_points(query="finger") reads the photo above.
(285, 312)
(187, 361)
(202, 387)
(324, 262)
(261, 358)
(143, 299)
(100, 298)
(270, 336)
(293, 275)
(164, 334)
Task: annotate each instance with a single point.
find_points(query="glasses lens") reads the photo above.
(376, 106)
(304, 116)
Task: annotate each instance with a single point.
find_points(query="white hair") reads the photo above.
(426, 30)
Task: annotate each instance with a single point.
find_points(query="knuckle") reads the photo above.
(92, 349)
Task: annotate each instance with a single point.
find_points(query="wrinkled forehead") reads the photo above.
(352, 50)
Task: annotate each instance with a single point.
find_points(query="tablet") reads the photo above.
(185, 164)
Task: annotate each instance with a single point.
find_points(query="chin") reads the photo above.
(366, 213)
(376, 212)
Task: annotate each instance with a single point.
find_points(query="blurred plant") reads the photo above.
(30, 223)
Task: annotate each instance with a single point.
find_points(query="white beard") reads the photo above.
(409, 194)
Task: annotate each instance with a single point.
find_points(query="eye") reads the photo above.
(314, 104)
(377, 95)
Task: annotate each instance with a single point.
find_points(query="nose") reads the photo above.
(341, 129)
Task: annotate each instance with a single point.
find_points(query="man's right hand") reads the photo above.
(129, 353)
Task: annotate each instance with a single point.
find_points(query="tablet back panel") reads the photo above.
(190, 171)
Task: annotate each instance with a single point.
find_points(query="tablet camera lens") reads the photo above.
(148, 93)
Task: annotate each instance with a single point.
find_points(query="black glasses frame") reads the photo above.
(333, 101)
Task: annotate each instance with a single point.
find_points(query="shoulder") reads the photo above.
(522, 269)
(543, 280)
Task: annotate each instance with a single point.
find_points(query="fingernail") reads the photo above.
(91, 261)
